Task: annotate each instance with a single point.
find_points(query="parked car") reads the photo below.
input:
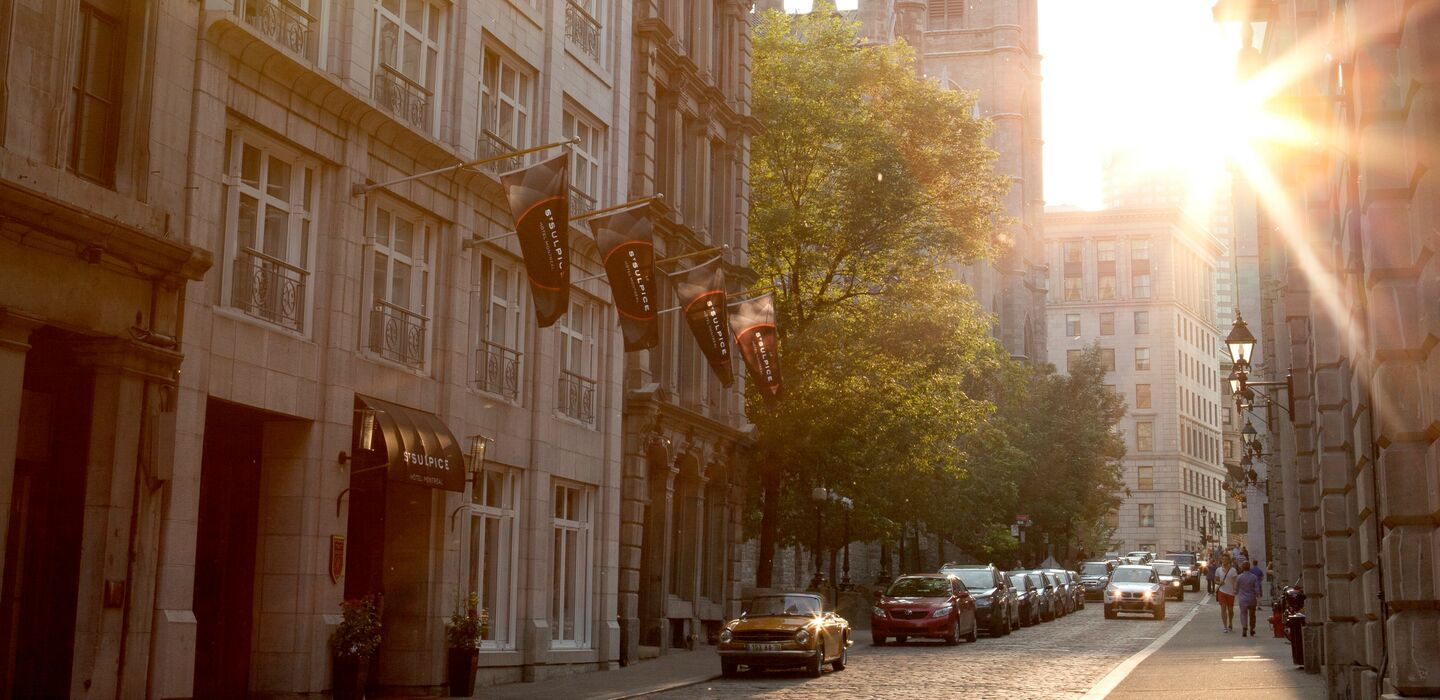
(1049, 601)
(1190, 566)
(1027, 597)
(785, 630)
(924, 605)
(1070, 583)
(1144, 555)
(1171, 578)
(996, 607)
(1134, 589)
(1094, 575)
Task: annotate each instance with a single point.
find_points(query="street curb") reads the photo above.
(667, 688)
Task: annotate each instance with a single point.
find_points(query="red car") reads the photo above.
(924, 605)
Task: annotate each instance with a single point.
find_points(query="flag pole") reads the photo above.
(359, 189)
(737, 302)
(472, 242)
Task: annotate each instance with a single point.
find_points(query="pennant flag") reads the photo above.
(540, 203)
(627, 250)
(755, 335)
(702, 299)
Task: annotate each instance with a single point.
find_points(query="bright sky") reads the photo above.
(1144, 74)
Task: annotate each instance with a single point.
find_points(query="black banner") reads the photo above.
(702, 299)
(626, 248)
(540, 203)
(759, 343)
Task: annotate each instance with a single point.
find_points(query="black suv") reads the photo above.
(1189, 564)
(997, 608)
(1094, 576)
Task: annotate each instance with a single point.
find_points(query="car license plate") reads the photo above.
(763, 647)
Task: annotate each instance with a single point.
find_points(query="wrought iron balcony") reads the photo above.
(397, 334)
(285, 23)
(497, 369)
(577, 397)
(580, 203)
(491, 146)
(269, 289)
(403, 97)
(582, 30)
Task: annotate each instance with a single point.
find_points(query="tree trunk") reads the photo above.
(769, 523)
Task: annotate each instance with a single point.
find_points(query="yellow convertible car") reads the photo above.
(785, 630)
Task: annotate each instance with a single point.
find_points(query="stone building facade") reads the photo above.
(303, 370)
(1139, 283)
(990, 47)
(1349, 296)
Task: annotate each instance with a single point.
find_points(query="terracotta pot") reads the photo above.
(349, 677)
(460, 674)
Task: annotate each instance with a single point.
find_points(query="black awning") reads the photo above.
(419, 449)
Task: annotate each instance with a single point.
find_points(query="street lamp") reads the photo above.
(1241, 343)
(1248, 434)
(819, 495)
(848, 505)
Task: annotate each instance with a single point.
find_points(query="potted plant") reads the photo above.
(462, 635)
(353, 643)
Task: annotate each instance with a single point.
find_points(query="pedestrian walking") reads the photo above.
(1226, 579)
(1247, 596)
(1211, 566)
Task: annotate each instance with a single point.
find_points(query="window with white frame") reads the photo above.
(295, 24)
(587, 157)
(408, 37)
(269, 217)
(570, 565)
(507, 101)
(584, 27)
(400, 284)
(499, 326)
(579, 360)
(494, 532)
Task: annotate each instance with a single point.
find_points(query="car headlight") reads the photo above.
(942, 612)
(878, 612)
(802, 637)
(726, 636)
(1175, 582)
(1149, 594)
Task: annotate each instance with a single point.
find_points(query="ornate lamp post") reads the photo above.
(819, 495)
(848, 505)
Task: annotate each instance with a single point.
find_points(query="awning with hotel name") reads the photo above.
(419, 448)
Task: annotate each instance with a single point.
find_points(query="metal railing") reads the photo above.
(582, 30)
(580, 203)
(403, 97)
(397, 334)
(284, 22)
(491, 146)
(497, 369)
(577, 397)
(269, 289)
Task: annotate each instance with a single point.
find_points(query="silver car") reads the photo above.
(1134, 589)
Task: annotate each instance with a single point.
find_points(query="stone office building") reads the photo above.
(1139, 284)
(256, 362)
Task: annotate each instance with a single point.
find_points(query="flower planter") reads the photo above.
(461, 672)
(348, 682)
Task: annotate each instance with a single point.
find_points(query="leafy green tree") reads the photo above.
(867, 180)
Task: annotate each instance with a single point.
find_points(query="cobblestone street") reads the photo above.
(1062, 658)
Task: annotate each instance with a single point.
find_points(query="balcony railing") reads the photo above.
(580, 203)
(403, 97)
(497, 370)
(577, 397)
(285, 23)
(269, 289)
(582, 30)
(491, 146)
(397, 334)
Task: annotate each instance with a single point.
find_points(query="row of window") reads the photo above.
(492, 566)
(1106, 285)
(1140, 324)
(1196, 443)
(1202, 485)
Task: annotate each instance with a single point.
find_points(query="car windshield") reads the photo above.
(1059, 577)
(1018, 580)
(1183, 559)
(918, 587)
(1037, 579)
(1095, 568)
(972, 578)
(1162, 567)
(784, 605)
(1126, 574)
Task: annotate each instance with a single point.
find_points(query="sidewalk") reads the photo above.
(1201, 658)
(673, 670)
